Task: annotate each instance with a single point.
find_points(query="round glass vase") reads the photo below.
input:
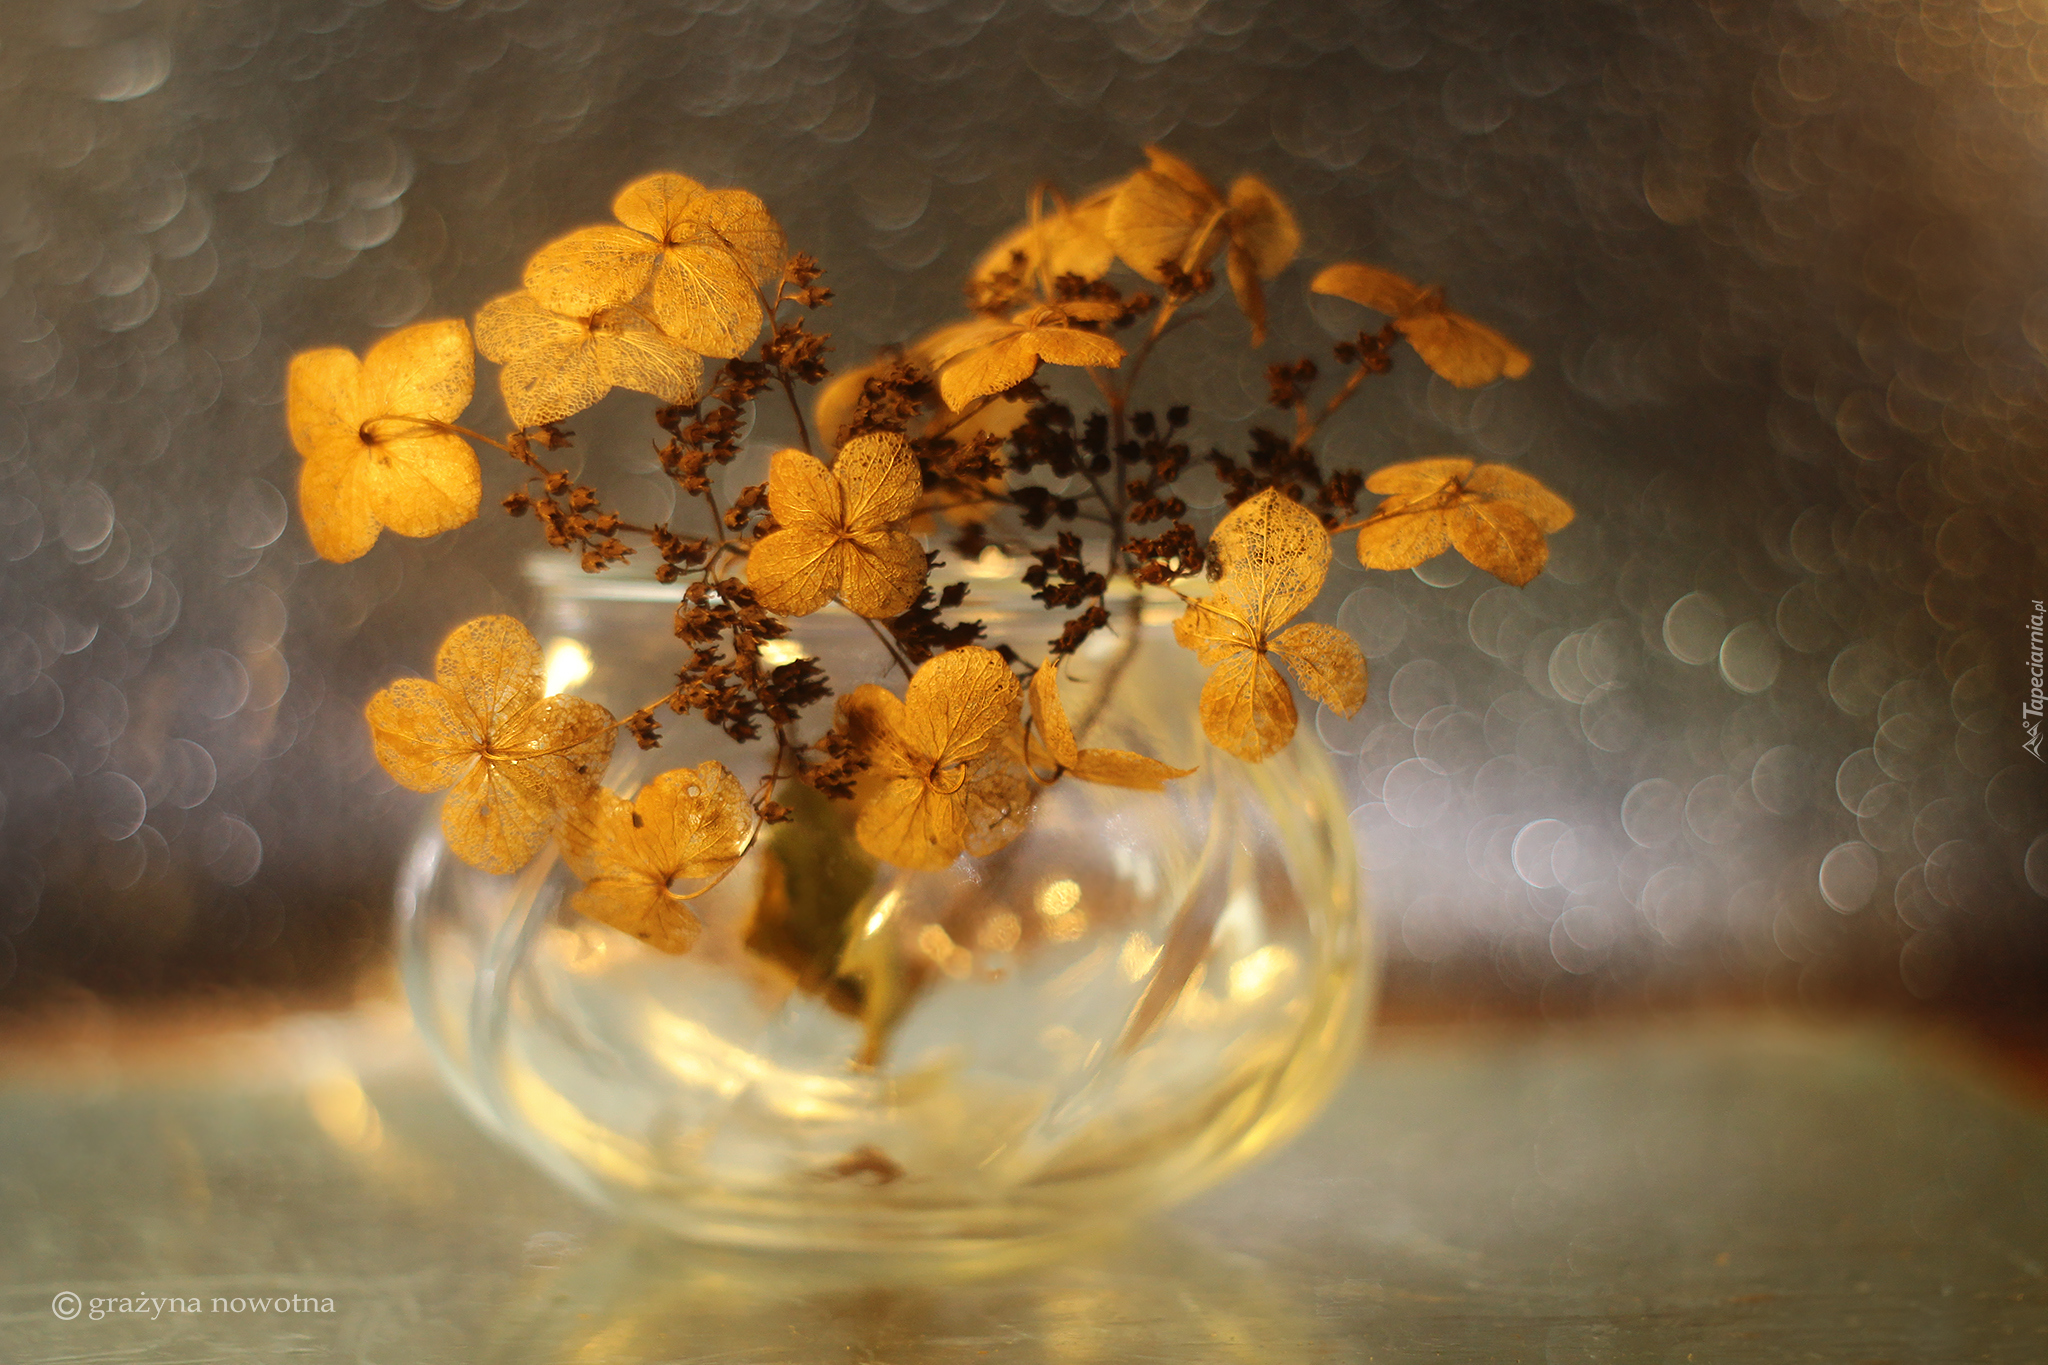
(1137, 995)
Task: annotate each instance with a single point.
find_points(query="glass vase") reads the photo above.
(1140, 993)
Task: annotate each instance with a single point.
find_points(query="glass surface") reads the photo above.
(1133, 997)
(1723, 1190)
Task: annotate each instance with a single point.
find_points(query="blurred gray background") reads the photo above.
(1756, 735)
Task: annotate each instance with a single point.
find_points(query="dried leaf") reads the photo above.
(556, 366)
(1262, 226)
(1326, 662)
(1110, 767)
(991, 357)
(513, 758)
(944, 760)
(696, 255)
(1073, 240)
(1168, 221)
(687, 824)
(1494, 515)
(839, 535)
(1263, 241)
(1275, 554)
(1467, 353)
(371, 432)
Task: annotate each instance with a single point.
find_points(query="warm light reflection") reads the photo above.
(1137, 957)
(1256, 973)
(342, 1109)
(935, 943)
(567, 662)
(776, 653)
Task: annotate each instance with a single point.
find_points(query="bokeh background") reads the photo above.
(1756, 735)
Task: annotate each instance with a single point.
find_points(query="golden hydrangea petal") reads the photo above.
(1380, 290)
(427, 370)
(1326, 662)
(422, 485)
(631, 353)
(1417, 478)
(1251, 295)
(704, 297)
(1180, 172)
(657, 204)
(803, 493)
(1070, 346)
(881, 573)
(422, 734)
(1275, 553)
(633, 905)
(689, 823)
(1500, 538)
(551, 367)
(1403, 540)
(1001, 365)
(740, 221)
(995, 803)
(795, 571)
(960, 705)
(1466, 353)
(1070, 243)
(591, 837)
(697, 821)
(546, 386)
(933, 350)
(1108, 767)
(872, 718)
(910, 825)
(493, 665)
(833, 408)
(1262, 226)
(1081, 310)
(515, 325)
(590, 270)
(1213, 629)
(335, 505)
(1154, 220)
(1504, 483)
(1051, 717)
(1122, 768)
(324, 406)
(879, 475)
(571, 742)
(497, 817)
(1246, 708)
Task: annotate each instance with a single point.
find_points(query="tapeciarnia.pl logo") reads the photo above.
(2037, 699)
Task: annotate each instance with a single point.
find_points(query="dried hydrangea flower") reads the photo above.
(1110, 767)
(510, 758)
(1467, 353)
(990, 357)
(685, 825)
(373, 434)
(556, 366)
(1275, 554)
(839, 535)
(697, 255)
(1072, 240)
(1494, 515)
(1168, 220)
(943, 760)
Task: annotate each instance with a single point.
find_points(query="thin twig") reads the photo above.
(895, 654)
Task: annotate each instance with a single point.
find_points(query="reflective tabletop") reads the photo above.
(1711, 1189)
